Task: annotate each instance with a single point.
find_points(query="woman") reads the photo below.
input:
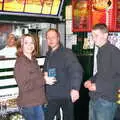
(30, 80)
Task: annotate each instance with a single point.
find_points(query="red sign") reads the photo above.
(87, 13)
(103, 12)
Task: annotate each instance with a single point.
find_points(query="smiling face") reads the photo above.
(53, 39)
(11, 40)
(28, 45)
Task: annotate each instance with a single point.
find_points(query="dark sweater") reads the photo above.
(68, 73)
(30, 82)
(107, 78)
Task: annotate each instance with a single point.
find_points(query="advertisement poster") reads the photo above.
(117, 16)
(81, 15)
(103, 12)
(87, 13)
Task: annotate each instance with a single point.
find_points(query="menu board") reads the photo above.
(39, 7)
(81, 15)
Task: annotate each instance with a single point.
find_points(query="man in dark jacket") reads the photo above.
(104, 84)
(63, 75)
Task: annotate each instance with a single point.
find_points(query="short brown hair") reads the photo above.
(100, 26)
(55, 30)
(20, 45)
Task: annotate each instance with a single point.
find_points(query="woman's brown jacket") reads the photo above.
(30, 82)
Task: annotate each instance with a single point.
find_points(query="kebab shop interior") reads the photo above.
(74, 20)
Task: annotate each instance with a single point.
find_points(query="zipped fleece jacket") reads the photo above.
(69, 73)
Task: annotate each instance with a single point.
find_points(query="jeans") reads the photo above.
(117, 115)
(32, 113)
(101, 109)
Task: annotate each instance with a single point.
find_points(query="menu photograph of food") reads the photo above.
(81, 15)
(1, 4)
(98, 11)
(55, 7)
(103, 12)
(33, 6)
(47, 6)
(13, 5)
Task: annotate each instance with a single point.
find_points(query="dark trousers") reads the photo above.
(54, 107)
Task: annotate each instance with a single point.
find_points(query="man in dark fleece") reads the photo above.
(62, 89)
(104, 84)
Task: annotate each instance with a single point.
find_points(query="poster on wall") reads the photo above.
(81, 15)
(87, 13)
(103, 12)
(117, 15)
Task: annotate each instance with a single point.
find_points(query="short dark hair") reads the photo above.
(101, 26)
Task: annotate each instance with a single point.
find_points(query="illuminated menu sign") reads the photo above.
(41, 7)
